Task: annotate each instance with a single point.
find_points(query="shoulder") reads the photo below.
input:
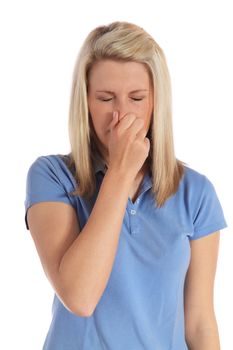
(202, 204)
(195, 183)
(192, 176)
(54, 166)
(51, 160)
(197, 192)
(49, 179)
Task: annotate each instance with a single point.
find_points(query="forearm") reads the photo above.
(205, 339)
(87, 264)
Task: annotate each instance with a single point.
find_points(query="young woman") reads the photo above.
(127, 234)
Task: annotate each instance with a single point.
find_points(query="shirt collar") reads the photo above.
(99, 164)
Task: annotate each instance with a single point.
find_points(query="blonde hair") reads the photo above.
(126, 42)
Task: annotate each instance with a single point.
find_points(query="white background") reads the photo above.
(39, 44)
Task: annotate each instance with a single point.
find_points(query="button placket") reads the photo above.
(133, 218)
(132, 208)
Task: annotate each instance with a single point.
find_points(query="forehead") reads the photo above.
(118, 72)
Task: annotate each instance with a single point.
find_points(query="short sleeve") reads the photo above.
(208, 215)
(43, 183)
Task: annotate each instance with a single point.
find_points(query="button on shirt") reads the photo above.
(141, 307)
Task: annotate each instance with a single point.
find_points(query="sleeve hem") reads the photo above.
(41, 201)
(201, 232)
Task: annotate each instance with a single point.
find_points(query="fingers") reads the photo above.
(137, 128)
(128, 121)
(114, 121)
(142, 133)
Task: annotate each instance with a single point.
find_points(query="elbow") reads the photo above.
(80, 311)
(75, 299)
(77, 307)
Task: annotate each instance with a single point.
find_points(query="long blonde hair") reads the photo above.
(126, 42)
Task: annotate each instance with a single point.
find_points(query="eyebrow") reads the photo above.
(112, 93)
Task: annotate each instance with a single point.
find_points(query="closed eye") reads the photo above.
(109, 99)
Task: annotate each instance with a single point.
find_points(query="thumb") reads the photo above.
(114, 121)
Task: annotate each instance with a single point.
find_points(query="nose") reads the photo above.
(121, 107)
(120, 113)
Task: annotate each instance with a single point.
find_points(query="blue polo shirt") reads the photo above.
(142, 305)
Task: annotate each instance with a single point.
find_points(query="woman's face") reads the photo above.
(118, 86)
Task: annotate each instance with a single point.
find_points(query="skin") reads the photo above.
(201, 329)
(124, 87)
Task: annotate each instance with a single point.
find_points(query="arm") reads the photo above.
(79, 267)
(201, 330)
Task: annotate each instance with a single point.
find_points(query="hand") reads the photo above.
(128, 145)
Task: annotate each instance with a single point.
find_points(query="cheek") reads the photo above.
(101, 116)
(95, 113)
(146, 112)
(99, 121)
